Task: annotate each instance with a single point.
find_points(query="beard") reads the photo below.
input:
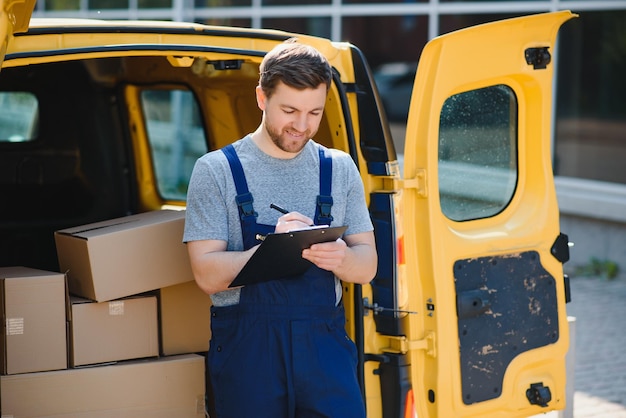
(283, 141)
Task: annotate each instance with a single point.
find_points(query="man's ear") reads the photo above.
(261, 98)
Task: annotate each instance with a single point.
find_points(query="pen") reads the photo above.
(278, 208)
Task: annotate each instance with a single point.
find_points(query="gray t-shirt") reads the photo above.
(293, 184)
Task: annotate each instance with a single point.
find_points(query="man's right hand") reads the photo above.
(292, 221)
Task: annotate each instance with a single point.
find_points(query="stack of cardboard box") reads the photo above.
(116, 333)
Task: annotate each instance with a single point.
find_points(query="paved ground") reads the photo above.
(599, 306)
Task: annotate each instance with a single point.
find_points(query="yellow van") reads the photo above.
(466, 315)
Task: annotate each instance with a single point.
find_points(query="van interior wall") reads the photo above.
(70, 173)
(79, 168)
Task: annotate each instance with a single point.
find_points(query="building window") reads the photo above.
(222, 3)
(380, 1)
(226, 21)
(316, 26)
(292, 2)
(62, 5)
(450, 23)
(590, 131)
(154, 4)
(405, 37)
(108, 4)
(482, 1)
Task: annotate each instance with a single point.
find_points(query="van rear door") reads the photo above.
(481, 224)
(14, 18)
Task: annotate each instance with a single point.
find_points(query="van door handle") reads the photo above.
(472, 303)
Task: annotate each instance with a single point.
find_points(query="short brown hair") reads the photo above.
(297, 65)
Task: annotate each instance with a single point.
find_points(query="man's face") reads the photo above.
(292, 116)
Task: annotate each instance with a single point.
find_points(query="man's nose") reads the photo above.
(301, 122)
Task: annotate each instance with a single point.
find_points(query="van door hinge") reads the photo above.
(418, 182)
(403, 345)
(374, 307)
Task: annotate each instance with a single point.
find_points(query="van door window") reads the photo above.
(477, 152)
(176, 136)
(19, 116)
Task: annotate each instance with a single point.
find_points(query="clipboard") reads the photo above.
(280, 255)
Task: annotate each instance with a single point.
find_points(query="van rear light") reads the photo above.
(409, 405)
(400, 249)
(402, 292)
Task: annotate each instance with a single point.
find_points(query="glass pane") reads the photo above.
(221, 3)
(316, 26)
(405, 37)
(450, 23)
(225, 21)
(292, 2)
(590, 134)
(393, 57)
(154, 4)
(19, 116)
(62, 4)
(108, 4)
(381, 1)
(477, 152)
(176, 137)
(473, 1)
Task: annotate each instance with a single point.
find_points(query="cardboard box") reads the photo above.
(160, 388)
(34, 320)
(117, 330)
(125, 256)
(185, 319)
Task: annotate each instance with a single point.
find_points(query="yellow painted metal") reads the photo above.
(14, 18)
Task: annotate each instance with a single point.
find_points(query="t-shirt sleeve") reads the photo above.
(206, 215)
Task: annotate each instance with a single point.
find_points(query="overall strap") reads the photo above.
(324, 199)
(244, 198)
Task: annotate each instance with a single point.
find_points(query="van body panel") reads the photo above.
(14, 17)
(480, 223)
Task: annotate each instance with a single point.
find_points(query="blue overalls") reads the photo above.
(282, 352)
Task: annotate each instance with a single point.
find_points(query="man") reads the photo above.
(279, 348)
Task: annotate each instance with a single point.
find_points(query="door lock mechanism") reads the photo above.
(538, 394)
(472, 303)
